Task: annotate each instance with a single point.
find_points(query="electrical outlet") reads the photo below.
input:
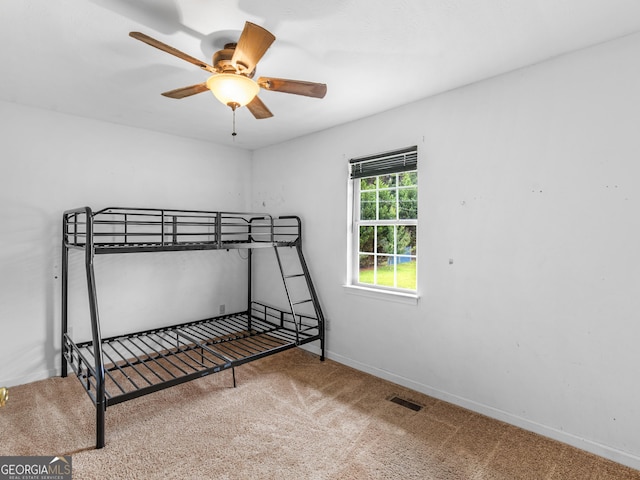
(222, 309)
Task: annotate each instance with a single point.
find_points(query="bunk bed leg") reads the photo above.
(95, 329)
(249, 292)
(100, 425)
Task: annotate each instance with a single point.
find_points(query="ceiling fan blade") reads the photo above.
(259, 109)
(173, 51)
(254, 41)
(186, 91)
(297, 87)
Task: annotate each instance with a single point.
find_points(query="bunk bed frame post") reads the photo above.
(162, 222)
(249, 292)
(251, 239)
(126, 228)
(65, 294)
(218, 229)
(89, 253)
(95, 329)
(249, 275)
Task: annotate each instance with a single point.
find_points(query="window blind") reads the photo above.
(386, 163)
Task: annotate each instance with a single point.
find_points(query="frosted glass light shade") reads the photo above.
(232, 89)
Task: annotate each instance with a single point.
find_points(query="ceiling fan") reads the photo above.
(233, 69)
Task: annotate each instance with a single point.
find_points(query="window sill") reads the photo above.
(399, 297)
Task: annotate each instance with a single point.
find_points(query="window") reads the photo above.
(385, 218)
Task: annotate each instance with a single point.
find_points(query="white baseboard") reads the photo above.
(618, 456)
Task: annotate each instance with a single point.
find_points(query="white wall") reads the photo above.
(53, 162)
(529, 182)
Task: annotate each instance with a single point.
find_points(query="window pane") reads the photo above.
(368, 183)
(385, 272)
(365, 270)
(409, 179)
(366, 239)
(387, 204)
(385, 240)
(406, 273)
(386, 181)
(368, 205)
(406, 240)
(408, 203)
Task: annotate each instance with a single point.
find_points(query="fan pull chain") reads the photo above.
(233, 134)
(234, 107)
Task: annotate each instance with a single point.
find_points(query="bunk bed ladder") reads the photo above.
(313, 298)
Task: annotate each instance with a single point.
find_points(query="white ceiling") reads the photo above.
(75, 56)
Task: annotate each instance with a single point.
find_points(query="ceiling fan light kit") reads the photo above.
(233, 69)
(233, 90)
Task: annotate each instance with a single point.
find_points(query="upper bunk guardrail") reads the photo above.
(138, 229)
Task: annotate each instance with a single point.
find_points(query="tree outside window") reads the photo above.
(386, 224)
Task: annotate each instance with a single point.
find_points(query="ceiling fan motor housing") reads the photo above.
(223, 64)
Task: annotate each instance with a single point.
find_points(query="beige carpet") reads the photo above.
(291, 417)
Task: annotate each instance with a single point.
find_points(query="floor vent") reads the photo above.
(406, 403)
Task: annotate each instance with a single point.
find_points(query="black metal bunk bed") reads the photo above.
(116, 369)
